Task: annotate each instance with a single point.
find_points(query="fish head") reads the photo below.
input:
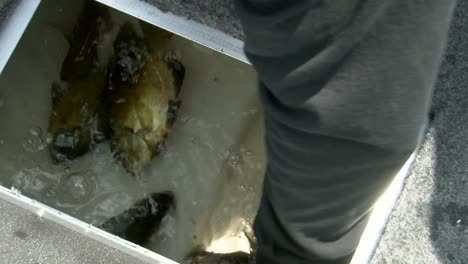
(131, 54)
(69, 143)
(131, 150)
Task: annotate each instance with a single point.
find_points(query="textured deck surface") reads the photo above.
(430, 222)
(26, 239)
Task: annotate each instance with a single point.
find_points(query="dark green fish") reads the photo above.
(138, 223)
(78, 119)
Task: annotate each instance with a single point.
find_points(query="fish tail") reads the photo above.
(156, 36)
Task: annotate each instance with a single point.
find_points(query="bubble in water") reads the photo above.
(51, 191)
(77, 188)
(242, 187)
(34, 182)
(233, 157)
(251, 188)
(40, 214)
(34, 141)
(2, 142)
(15, 191)
(259, 166)
(34, 145)
(246, 151)
(174, 55)
(35, 131)
(183, 119)
(49, 138)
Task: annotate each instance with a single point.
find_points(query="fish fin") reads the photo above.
(58, 91)
(112, 82)
(144, 115)
(172, 112)
(100, 129)
(159, 147)
(156, 37)
(142, 219)
(178, 72)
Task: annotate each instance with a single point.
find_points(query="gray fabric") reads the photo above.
(26, 239)
(346, 87)
(430, 222)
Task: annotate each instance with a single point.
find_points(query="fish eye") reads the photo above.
(67, 138)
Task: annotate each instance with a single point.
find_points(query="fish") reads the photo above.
(142, 219)
(78, 120)
(143, 90)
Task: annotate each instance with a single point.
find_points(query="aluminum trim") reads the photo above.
(192, 30)
(43, 211)
(381, 214)
(13, 28)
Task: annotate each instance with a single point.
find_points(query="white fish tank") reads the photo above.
(213, 160)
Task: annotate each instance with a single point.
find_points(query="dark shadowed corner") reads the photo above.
(449, 218)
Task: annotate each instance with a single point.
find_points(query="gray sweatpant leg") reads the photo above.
(346, 86)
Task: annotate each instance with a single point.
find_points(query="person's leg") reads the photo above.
(346, 87)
